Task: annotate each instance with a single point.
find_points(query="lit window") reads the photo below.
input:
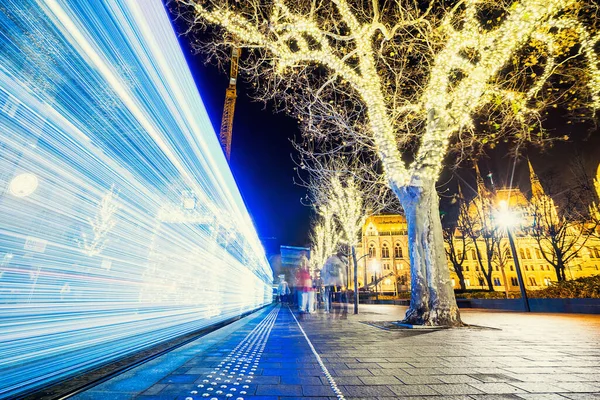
(372, 252)
(385, 251)
(397, 251)
(532, 281)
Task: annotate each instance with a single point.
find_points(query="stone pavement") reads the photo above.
(267, 356)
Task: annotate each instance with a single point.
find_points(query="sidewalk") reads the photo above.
(267, 356)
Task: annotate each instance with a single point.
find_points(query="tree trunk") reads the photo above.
(461, 277)
(489, 275)
(432, 300)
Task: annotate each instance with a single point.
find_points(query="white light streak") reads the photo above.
(121, 225)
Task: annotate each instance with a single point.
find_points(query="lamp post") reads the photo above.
(508, 219)
(376, 267)
(356, 277)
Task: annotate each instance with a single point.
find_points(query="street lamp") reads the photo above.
(507, 219)
(356, 293)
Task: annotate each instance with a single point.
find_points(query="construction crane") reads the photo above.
(229, 107)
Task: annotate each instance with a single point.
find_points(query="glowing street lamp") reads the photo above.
(356, 292)
(506, 218)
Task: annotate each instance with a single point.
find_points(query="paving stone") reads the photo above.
(578, 387)
(418, 380)
(279, 390)
(367, 391)
(457, 379)
(455, 388)
(412, 390)
(542, 396)
(538, 387)
(379, 380)
(496, 388)
(532, 356)
(317, 390)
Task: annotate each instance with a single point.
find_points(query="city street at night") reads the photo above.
(285, 199)
(503, 355)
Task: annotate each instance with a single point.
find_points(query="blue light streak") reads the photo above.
(121, 224)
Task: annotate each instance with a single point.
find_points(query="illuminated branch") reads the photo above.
(410, 84)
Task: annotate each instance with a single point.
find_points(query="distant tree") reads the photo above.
(324, 236)
(560, 233)
(456, 241)
(344, 194)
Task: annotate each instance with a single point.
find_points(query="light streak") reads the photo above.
(122, 225)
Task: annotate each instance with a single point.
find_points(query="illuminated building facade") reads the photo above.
(384, 238)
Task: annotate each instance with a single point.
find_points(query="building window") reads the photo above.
(372, 251)
(386, 266)
(537, 254)
(459, 254)
(467, 269)
(547, 268)
(596, 253)
(497, 282)
(397, 251)
(526, 268)
(481, 281)
(522, 253)
(476, 268)
(532, 281)
(497, 268)
(385, 251)
(511, 268)
(514, 281)
(547, 281)
(528, 254)
(467, 282)
(473, 255)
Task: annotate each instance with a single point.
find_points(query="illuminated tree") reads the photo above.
(324, 236)
(560, 234)
(412, 83)
(344, 191)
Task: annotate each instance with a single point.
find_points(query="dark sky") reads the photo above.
(260, 157)
(262, 165)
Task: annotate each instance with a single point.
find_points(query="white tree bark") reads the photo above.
(432, 300)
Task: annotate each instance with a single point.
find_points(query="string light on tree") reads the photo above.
(395, 78)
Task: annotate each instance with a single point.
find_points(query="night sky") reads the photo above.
(261, 158)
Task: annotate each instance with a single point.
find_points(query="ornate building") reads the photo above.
(386, 262)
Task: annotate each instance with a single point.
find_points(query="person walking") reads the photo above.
(283, 290)
(333, 279)
(305, 287)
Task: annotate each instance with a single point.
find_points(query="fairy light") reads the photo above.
(122, 225)
(324, 237)
(447, 109)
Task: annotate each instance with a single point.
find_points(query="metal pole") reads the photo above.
(355, 280)
(518, 267)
